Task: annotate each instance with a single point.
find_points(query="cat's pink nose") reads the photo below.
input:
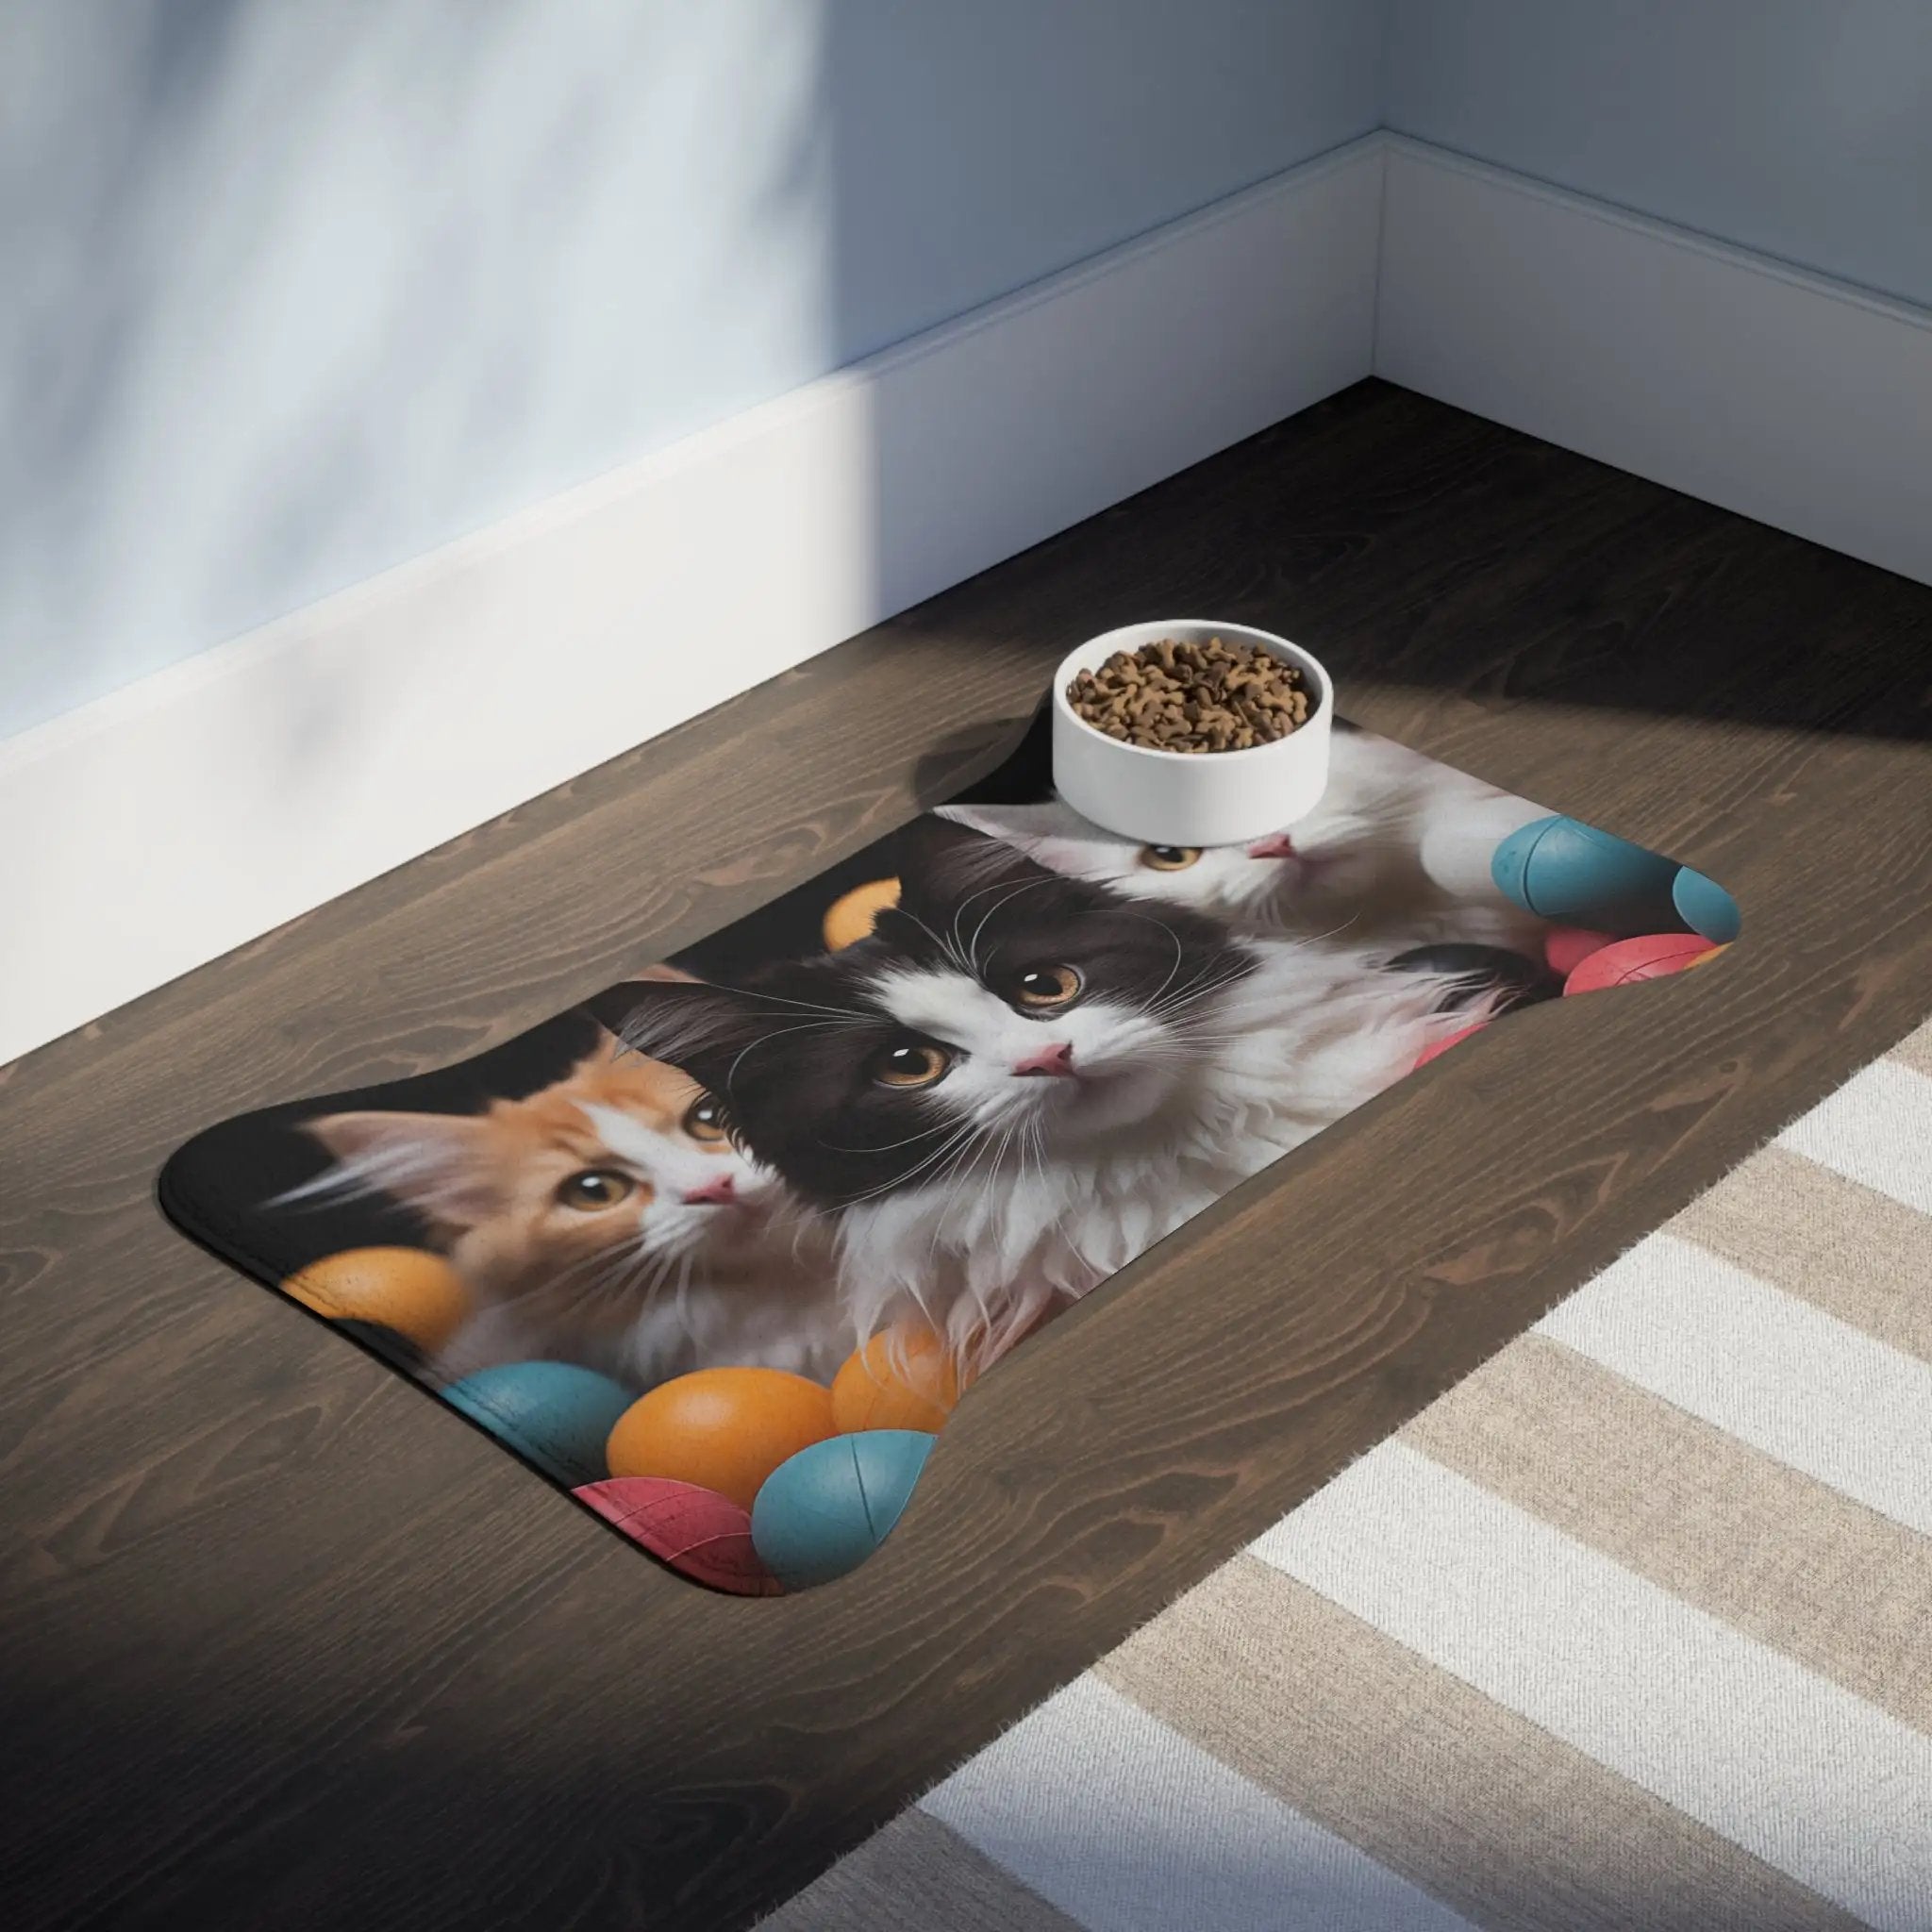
(1056, 1059)
(1275, 845)
(713, 1193)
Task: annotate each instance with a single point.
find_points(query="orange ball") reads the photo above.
(408, 1289)
(917, 1391)
(849, 917)
(724, 1429)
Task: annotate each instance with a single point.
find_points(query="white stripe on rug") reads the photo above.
(1126, 1826)
(1873, 1129)
(1810, 1778)
(1773, 1371)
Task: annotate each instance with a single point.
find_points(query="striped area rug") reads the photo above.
(1631, 1629)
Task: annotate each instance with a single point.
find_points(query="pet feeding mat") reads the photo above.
(717, 1251)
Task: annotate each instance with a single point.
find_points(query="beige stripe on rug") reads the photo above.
(1631, 1629)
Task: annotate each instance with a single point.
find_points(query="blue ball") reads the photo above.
(1705, 907)
(824, 1511)
(1561, 869)
(556, 1414)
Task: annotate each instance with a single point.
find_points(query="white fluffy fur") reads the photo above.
(1075, 1178)
(1396, 853)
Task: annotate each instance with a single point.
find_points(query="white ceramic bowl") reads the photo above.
(1190, 798)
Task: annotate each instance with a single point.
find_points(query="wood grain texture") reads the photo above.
(284, 1644)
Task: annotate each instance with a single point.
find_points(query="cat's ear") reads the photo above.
(661, 974)
(688, 1024)
(437, 1163)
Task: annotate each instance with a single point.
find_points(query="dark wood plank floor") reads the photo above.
(285, 1646)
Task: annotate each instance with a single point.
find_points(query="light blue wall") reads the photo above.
(978, 144)
(295, 289)
(1799, 127)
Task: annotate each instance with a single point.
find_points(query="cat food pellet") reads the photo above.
(1173, 696)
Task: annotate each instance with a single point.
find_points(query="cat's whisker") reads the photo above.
(569, 1276)
(955, 1172)
(765, 1040)
(585, 1283)
(946, 952)
(652, 1282)
(1188, 1053)
(775, 999)
(1192, 995)
(1008, 892)
(675, 1044)
(979, 892)
(973, 944)
(885, 1147)
(1215, 975)
(1036, 1141)
(1301, 942)
(959, 1170)
(624, 1274)
(1179, 952)
(899, 1181)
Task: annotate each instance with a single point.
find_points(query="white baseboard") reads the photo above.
(153, 830)
(1800, 401)
(170, 822)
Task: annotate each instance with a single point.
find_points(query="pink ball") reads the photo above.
(1440, 1046)
(699, 1533)
(1648, 957)
(1566, 947)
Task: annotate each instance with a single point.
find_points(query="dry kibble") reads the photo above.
(1176, 696)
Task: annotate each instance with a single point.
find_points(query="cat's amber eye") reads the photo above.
(914, 1064)
(1045, 988)
(594, 1189)
(704, 1120)
(1169, 857)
